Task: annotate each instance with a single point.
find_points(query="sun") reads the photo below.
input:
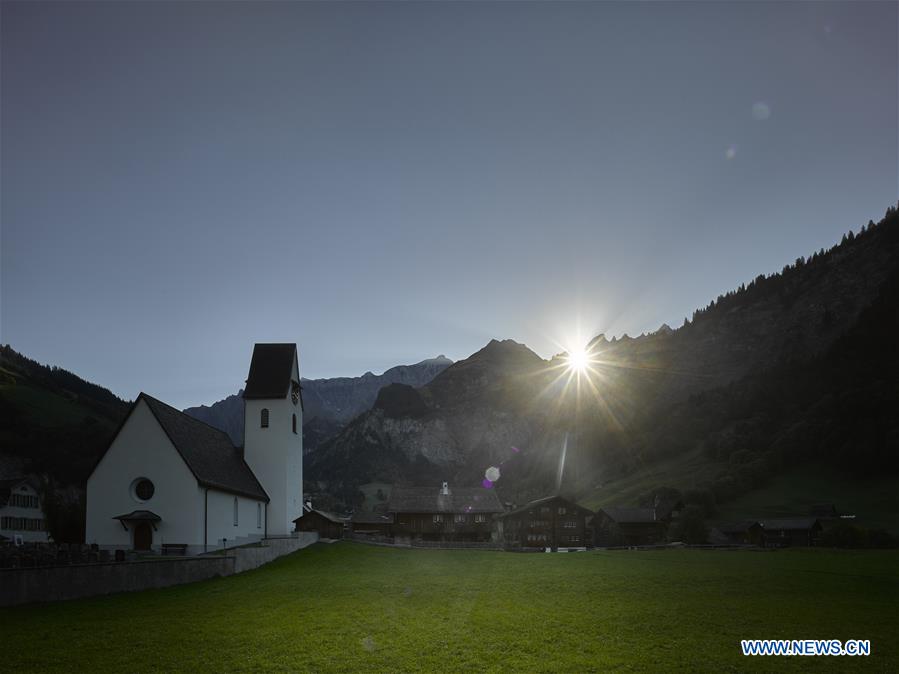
(578, 360)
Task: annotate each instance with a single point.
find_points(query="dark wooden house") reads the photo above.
(328, 525)
(551, 522)
(746, 532)
(630, 526)
(792, 532)
(371, 523)
(444, 514)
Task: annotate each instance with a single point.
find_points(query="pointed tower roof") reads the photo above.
(270, 371)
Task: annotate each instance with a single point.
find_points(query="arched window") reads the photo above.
(235, 511)
(263, 418)
(294, 424)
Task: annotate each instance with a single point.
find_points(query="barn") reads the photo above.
(326, 524)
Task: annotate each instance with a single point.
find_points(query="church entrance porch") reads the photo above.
(142, 524)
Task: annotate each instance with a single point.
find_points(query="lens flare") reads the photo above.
(578, 359)
(761, 110)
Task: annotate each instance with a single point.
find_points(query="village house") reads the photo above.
(638, 525)
(550, 522)
(168, 479)
(629, 526)
(326, 524)
(21, 514)
(792, 532)
(458, 514)
(746, 532)
(371, 523)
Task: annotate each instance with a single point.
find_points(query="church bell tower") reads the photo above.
(273, 432)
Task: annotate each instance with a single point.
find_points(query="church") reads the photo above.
(168, 479)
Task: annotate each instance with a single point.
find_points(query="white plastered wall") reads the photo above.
(250, 519)
(143, 450)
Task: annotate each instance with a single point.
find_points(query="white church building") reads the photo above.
(168, 478)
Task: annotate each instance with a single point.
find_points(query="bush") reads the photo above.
(843, 535)
(880, 538)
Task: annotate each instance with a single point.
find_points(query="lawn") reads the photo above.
(351, 607)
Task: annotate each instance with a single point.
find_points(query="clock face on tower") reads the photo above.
(295, 392)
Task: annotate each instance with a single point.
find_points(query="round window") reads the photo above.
(143, 489)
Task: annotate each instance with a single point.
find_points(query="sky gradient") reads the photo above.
(382, 183)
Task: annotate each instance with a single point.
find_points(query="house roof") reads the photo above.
(370, 517)
(790, 524)
(207, 451)
(331, 517)
(737, 527)
(631, 515)
(270, 371)
(546, 499)
(6, 487)
(430, 500)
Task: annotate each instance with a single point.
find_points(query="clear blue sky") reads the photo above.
(382, 183)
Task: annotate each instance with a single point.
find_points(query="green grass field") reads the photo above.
(351, 607)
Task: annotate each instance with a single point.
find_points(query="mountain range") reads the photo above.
(328, 404)
(701, 396)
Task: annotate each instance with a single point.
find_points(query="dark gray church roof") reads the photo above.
(207, 451)
(270, 371)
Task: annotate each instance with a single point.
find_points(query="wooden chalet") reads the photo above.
(746, 532)
(327, 525)
(444, 514)
(371, 523)
(550, 522)
(792, 532)
(629, 526)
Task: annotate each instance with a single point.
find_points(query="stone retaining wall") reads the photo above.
(41, 584)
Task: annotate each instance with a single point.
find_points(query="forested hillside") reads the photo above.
(54, 425)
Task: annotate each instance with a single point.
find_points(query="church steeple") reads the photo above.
(273, 437)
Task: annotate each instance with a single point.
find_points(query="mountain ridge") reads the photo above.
(477, 411)
(328, 403)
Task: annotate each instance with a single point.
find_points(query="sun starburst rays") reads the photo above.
(582, 372)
